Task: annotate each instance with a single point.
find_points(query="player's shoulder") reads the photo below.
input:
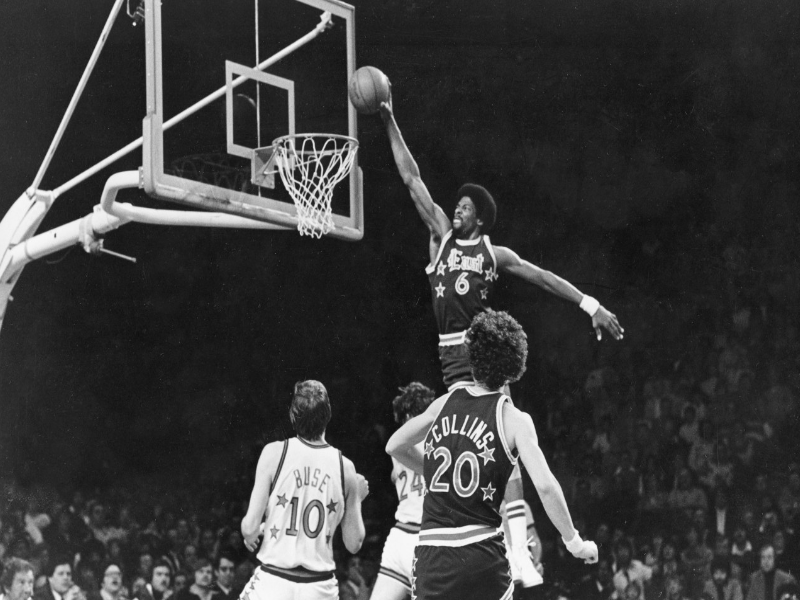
(514, 418)
(273, 450)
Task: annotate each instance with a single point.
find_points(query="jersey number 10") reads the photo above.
(314, 505)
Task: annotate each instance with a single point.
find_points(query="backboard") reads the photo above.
(249, 71)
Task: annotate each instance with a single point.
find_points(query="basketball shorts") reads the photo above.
(268, 586)
(398, 555)
(478, 571)
(455, 364)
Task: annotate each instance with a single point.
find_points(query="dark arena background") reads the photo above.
(646, 151)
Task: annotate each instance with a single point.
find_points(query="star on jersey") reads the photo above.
(484, 294)
(440, 269)
(487, 455)
(282, 501)
(428, 450)
(332, 506)
(439, 290)
(491, 274)
(488, 492)
(274, 532)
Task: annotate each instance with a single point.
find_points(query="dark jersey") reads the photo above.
(467, 465)
(462, 281)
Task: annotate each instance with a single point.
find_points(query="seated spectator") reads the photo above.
(689, 431)
(721, 516)
(673, 588)
(111, 585)
(789, 497)
(180, 581)
(766, 581)
(696, 559)
(785, 558)
(788, 591)
(722, 586)
(599, 584)
(719, 471)
(701, 450)
(686, 496)
(16, 579)
(742, 550)
(224, 570)
(158, 587)
(59, 582)
(634, 591)
(628, 569)
(201, 587)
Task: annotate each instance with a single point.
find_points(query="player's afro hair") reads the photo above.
(310, 411)
(412, 401)
(483, 201)
(497, 348)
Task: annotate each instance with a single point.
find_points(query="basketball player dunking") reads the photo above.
(394, 576)
(472, 436)
(306, 488)
(463, 269)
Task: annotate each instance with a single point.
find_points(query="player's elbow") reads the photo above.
(393, 446)
(353, 540)
(249, 527)
(546, 486)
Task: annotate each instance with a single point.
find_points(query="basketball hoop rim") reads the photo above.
(279, 141)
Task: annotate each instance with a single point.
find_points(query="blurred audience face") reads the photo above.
(767, 559)
(180, 582)
(112, 579)
(719, 576)
(137, 586)
(145, 563)
(160, 580)
(21, 586)
(225, 573)
(61, 579)
(203, 576)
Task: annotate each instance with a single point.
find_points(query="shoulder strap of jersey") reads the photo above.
(491, 249)
(431, 267)
(341, 469)
(501, 430)
(280, 465)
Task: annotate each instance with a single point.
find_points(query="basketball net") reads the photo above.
(311, 164)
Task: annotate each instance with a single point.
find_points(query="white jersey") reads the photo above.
(410, 493)
(306, 505)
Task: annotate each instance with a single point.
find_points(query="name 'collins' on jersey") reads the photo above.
(466, 466)
(462, 281)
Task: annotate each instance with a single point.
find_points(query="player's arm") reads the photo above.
(403, 444)
(265, 471)
(521, 434)
(356, 489)
(509, 261)
(432, 214)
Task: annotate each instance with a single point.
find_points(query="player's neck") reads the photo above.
(320, 441)
(468, 237)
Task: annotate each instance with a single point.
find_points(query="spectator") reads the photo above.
(17, 579)
(696, 559)
(765, 582)
(145, 565)
(788, 591)
(159, 586)
(181, 581)
(673, 588)
(628, 569)
(721, 586)
(789, 498)
(685, 496)
(785, 559)
(111, 586)
(59, 582)
(689, 431)
(742, 549)
(599, 585)
(224, 571)
(722, 523)
(200, 588)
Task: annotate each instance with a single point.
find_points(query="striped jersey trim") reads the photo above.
(491, 250)
(298, 574)
(501, 429)
(432, 267)
(452, 339)
(457, 536)
(407, 527)
(280, 465)
(344, 489)
(509, 592)
(460, 384)
(395, 575)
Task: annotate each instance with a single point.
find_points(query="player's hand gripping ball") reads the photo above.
(368, 87)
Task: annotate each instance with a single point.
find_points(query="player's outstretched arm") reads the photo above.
(356, 489)
(432, 214)
(403, 443)
(509, 261)
(521, 434)
(265, 471)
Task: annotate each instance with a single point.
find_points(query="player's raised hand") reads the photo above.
(603, 319)
(363, 486)
(386, 109)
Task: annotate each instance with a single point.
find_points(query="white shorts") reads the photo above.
(266, 586)
(398, 554)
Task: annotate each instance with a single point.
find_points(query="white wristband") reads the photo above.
(589, 305)
(574, 544)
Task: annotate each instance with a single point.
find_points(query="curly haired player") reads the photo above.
(472, 437)
(394, 577)
(463, 269)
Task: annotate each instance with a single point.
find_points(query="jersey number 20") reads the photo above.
(464, 459)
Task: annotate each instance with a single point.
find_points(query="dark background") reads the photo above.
(645, 151)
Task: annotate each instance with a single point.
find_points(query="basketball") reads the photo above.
(368, 87)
